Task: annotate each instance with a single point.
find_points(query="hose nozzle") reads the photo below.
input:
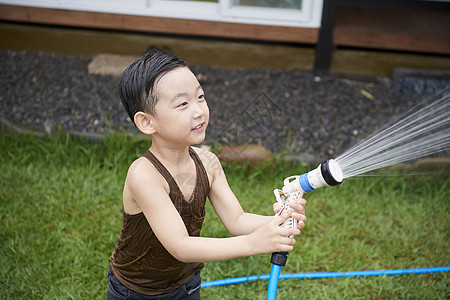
(327, 173)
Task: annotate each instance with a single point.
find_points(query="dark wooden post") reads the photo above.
(324, 47)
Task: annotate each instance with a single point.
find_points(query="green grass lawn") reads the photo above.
(60, 212)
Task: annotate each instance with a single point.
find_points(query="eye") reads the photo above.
(183, 104)
(201, 97)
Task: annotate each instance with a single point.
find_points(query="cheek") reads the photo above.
(206, 111)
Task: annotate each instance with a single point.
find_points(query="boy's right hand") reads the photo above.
(271, 237)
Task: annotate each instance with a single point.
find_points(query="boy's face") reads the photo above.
(182, 114)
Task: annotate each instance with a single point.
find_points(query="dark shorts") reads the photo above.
(189, 291)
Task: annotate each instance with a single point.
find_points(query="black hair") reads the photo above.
(136, 86)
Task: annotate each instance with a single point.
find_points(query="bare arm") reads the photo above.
(230, 212)
(170, 230)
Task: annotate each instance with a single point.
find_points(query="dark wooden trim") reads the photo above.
(158, 25)
(324, 47)
(397, 42)
(413, 30)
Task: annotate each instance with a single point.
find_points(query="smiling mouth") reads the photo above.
(199, 126)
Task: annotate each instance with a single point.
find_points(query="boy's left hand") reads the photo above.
(298, 207)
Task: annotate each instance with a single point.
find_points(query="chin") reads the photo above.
(199, 139)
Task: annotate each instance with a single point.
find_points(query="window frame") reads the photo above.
(221, 11)
(268, 13)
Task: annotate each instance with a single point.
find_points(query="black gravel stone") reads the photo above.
(421, 82)
(294, 112)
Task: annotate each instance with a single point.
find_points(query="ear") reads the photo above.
(144, 122)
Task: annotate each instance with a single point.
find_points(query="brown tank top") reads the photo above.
(140, 262)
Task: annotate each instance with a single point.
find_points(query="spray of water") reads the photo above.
(420, 132)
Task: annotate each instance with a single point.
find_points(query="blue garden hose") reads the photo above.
(273, 282)
(278, 260)
(320, 275)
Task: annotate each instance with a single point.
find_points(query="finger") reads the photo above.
(297, 206)
(285, 248)
(300, 224)
(283, 217)
(294, 231)
(286, 214)
(299, 217)
(286, 231)
(276, 207)
(300, 201)
(288, 241)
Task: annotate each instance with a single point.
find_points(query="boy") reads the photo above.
(159, 252)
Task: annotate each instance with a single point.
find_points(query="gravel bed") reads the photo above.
(295, 112)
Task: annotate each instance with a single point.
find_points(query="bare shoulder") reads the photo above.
(142, 177)
(210, 161)
(142, 171)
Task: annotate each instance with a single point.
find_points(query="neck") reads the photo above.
(173, 155)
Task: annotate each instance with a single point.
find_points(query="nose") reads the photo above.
(199, 110)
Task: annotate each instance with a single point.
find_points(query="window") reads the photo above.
(298, 13)
(278, 11)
